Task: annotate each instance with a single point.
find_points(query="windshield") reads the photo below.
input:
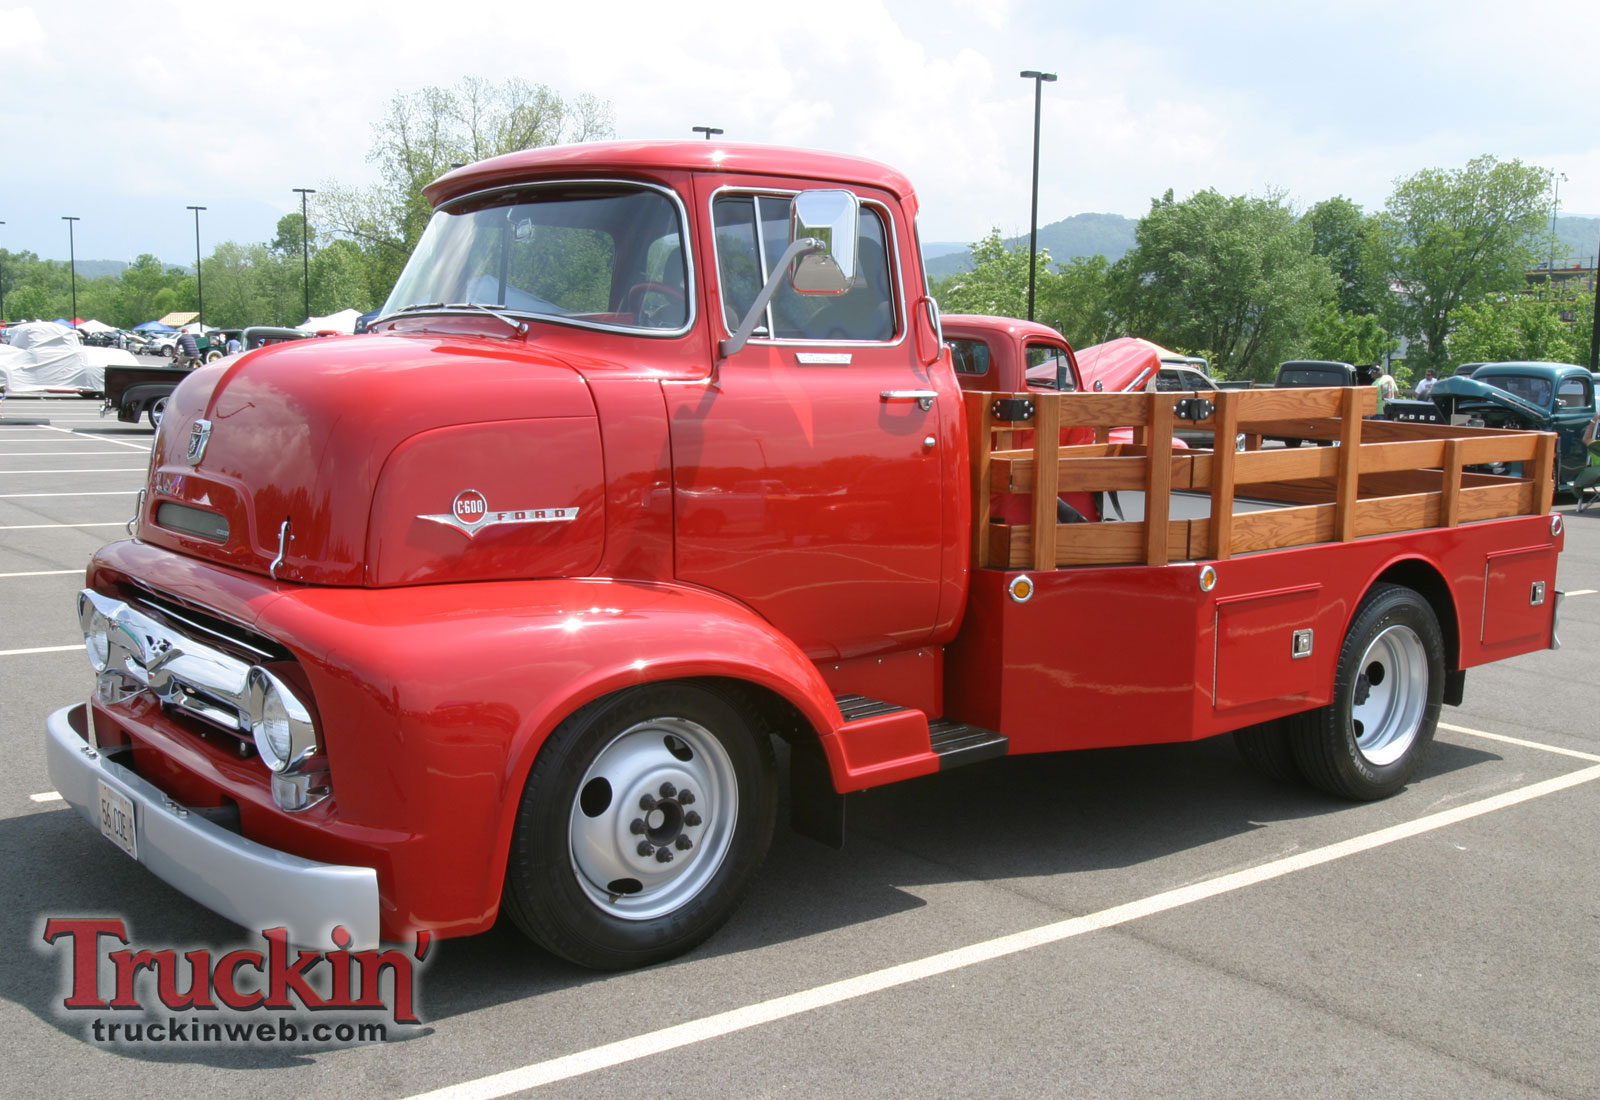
(600, 255)
(1535, 391)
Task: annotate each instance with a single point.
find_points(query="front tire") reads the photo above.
(1371, 739)
(642, 823)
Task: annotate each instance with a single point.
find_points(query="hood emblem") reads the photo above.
(199, 436)
(469, 513)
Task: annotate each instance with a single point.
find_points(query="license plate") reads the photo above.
(116, 819)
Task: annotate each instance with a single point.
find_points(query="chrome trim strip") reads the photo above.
(248, 883)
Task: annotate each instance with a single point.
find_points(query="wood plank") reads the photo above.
(1158, 494)
(980, 425)
(1544, 467)
(1450, 498)
(1385, 515)
(1047, 475)
(1285, 464)
(1497, 501)
(1282, 527)
(1224, 464)
(1345, 496)
(1420, 454)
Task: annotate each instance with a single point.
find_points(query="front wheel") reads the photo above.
(1371, 739)
(641, 825)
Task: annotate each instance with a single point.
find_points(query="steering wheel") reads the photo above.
(633, 301)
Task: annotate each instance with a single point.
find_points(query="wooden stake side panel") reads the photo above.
(1383, 477)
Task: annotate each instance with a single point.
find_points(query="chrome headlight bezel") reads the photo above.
(280, 723)
(96, 635)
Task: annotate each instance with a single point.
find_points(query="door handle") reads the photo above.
(923, 398)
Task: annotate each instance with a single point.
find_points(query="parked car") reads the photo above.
(1185, 379)
(1313, 372)
(1546, 397)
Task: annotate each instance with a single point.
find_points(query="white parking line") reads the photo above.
(809, 1000)
(47, 796)
(1593, 758)
(1583, 592)
(44, 526)
(102, 439)
(96, 470)
(51, 454)
(42, 573)
(40, 649)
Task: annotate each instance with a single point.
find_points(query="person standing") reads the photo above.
(1385, 384)
(1425, 387)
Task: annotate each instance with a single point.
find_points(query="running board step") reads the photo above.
(957, 744)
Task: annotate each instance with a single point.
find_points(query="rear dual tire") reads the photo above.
(1389, 685)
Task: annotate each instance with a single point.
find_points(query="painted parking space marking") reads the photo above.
(809, 1000)
(1583, 592)
(102, 439)
(42, 573)
(47, 796)
(86, 470)
(40, 649)
(1592, 757)
(53, 496)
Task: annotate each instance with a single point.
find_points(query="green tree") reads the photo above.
(427, 132)
(997, 283)
(1079, 300)
(1350, 241)
(1235, 275)
(1523, 326)
(1456, 237)
(1346, 337)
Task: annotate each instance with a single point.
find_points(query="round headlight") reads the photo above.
(279, 722)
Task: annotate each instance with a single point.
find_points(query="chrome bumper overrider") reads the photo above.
(250, 884)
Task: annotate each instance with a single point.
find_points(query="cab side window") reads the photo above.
(752, 232)
(970, 357)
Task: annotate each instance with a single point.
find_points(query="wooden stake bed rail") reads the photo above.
(1383, 477)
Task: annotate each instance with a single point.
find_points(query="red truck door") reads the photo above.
(808, 473)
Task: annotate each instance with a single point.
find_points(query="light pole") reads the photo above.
(72, 266)
(305, 242)
(199, 286)
(706, 130)
(2, 286)
(1039, 80)
(1555, 207)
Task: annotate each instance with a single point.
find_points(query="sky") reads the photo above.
(123, 115)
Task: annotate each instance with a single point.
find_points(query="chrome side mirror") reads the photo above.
(833, 218)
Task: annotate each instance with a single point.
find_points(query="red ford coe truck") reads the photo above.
(656, 454)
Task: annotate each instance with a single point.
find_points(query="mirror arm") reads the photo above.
(804, 246)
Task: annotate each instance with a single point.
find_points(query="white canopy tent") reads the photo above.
(343, 321)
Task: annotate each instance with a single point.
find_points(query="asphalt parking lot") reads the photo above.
(1153, 922)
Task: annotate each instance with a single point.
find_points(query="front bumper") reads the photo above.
(250, 884)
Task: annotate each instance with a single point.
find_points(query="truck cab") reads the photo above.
(1539, 396)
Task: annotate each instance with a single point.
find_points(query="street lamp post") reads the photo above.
(2, 286)
(1555, 208)
(199, 286)
(706, 130)
(305, 242)
(1039, 80)
(72, 266)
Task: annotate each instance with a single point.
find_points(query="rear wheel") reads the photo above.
(155, 411)
(641, 825)
(1371, 739)
(1265, 747)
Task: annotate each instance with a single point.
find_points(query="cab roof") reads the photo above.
(647, 158)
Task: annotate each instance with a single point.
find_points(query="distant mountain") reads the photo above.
(93, 269)
(1108, 235)
(1579, 237)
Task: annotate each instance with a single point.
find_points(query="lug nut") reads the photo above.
(636, 826)
(683, 843)
(668, 790)
(645, 847)
(647, 803)
(685, 797)
(663, 855)
(691, 819)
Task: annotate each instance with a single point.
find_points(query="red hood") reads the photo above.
(1127, 363)
(355, 441)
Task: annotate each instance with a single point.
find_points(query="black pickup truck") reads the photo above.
(132, 392)
(1313, 372)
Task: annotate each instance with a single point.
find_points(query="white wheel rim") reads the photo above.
(1390, 695)
(631, 806)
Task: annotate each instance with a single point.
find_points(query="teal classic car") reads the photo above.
(1547, 397)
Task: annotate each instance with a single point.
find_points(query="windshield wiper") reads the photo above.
(519, 327)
